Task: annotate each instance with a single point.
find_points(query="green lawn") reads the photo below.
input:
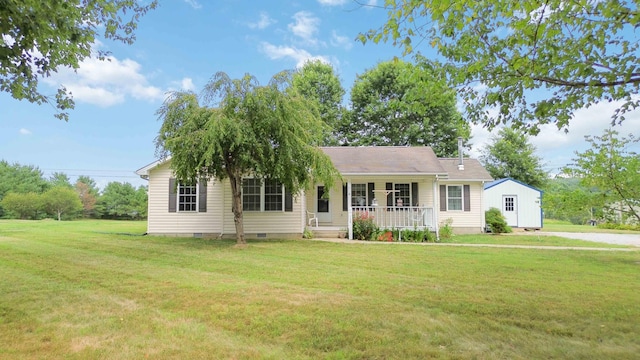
(98, 290)
(552, 225)
(528, 239)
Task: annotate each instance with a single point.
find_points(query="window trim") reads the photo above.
(194, 194)
(366, 194)
(263, 196)
(259, 195)
(396, 194)
(393, 194)
(461, 198)
(509, 202)
(201, 194)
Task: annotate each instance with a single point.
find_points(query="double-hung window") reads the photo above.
(359, 195)
(273, 196)
(251, 194)
(187, 197)
(258, 195)
(402, 195)
(454, 197)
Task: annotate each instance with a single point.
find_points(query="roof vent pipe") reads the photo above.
(460, 163)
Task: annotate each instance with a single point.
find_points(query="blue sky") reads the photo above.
(180, 45)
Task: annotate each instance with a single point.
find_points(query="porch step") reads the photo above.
(328, 233)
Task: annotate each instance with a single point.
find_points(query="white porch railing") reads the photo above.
(397, 217)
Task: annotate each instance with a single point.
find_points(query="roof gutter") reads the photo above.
(393, 174)
(458, 179)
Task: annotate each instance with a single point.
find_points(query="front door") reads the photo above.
(510, 209)
(323, 209)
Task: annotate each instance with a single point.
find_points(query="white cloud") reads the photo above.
(93, 95)
(24, 131)
(341, 41)
(106, 83)
(542, 13)
(8, 39)
(333, 2)
(142, 92)
(193, 3)
(299, 55)
(342, 2)
(187, 84)
(557, 148)
(263, 22)
(305, 26)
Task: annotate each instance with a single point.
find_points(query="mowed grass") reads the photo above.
(89, 290)
(527, 239)
(565, 226)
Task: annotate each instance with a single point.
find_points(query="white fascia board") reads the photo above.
(143, 172)
(394, 174)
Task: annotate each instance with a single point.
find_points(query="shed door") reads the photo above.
(510, 209)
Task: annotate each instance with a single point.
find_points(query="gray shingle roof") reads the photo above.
(473, 170)
(382, 160)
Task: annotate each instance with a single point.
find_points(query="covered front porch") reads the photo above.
(384, 217)
(396, 217)
(404, 204)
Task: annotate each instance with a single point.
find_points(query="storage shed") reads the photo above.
(521, 204)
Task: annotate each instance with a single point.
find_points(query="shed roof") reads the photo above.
(473, 170)
(384, 160)
(503, 180)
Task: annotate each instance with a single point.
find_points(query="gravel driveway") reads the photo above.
(619, 239)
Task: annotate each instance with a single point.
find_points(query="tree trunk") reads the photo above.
(59, 215)
(236, 207)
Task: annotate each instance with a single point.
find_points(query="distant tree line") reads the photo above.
(26, 194)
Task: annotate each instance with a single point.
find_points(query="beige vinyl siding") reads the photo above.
(161, 221)
(339, 217)
(265, 222)
(466, 219)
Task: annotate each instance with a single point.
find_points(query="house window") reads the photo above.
(402, 195)
(251, 191)
(187, 197)
(358, 194)
(258, 195)
(273, 196)
(454, 197)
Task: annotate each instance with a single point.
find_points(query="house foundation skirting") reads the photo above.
(467, 230)
(248, 236)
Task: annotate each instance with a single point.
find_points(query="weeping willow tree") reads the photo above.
(237, 127)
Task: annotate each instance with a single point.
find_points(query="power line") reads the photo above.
(91, 170)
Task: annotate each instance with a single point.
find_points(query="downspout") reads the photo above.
(349, 210)
(436, 207)
(223, 211)
(484, 219)
(303, 213)
(460, 153)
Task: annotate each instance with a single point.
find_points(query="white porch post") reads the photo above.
(349, 210)
(436, 206)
